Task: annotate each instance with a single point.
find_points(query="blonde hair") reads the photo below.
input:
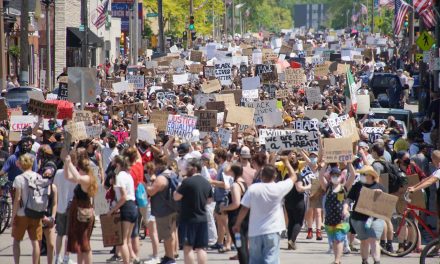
(26, 161)
(84, 165)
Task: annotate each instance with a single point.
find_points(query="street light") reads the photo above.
(48, 82)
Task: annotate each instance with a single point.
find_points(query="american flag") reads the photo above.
(386, 3)
(102, 14)
(400, 10)
(426, 13)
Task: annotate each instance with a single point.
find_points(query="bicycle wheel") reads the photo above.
(5, 215)
(402, 232)
(431, 253)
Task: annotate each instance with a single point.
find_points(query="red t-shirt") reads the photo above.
(146, 156)
(137, 172)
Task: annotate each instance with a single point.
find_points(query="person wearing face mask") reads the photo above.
(109, 151)
(369, 235)
(336, 208)
(10, 166)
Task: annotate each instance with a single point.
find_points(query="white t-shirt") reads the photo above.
(265, 201)
(21, 183)
(437, 174)
(65, 191)
(107, 156)
(124, 180)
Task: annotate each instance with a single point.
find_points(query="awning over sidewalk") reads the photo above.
(75, 37)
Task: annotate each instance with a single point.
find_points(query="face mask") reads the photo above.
(363, 179)
(406, 161)
(335, 180)
(121, 114)
(313, 160)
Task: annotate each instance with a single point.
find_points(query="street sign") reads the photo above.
(81, 28)
(425, 41)
(152, 14)
(378, 21)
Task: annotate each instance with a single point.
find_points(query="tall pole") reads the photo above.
(372, 16)
(136, 32)
(225, 29)
(85, 42)
(189, 35)
(2, 49)
(131, 35)
(161, 33)
(411, 32)
(48, 81)
(436, 52)
(233, 18)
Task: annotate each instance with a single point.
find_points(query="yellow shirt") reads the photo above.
(283, 170)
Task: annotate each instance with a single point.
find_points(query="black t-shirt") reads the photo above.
(195, 190)
(294, 197)
(3, 157)
(354, 196)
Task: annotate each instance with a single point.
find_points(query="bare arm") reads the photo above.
(121, 201)
(235, 193)
(16, 204)
(322, 180)
(158, 185)
(423, 184)
(241, 216)
(304, 156)
(301, 188)
(292, 173)
(55, 201)
(351, 177)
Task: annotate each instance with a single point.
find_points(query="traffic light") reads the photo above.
(406, 23)
(191, 24)
(193, 35)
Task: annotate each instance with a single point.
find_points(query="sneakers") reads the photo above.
(291, 245)
(216, 246)
(353, 249)
(167, 260)
(309, 233)
(153, 260)
(114, 258)
(389, 247)
(137, 261)
(347, 250)
(318, 235)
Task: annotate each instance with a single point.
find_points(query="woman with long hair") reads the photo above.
(81, 215)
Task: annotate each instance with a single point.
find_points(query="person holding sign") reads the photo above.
(368, 229)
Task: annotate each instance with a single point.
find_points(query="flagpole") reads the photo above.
(372, 16)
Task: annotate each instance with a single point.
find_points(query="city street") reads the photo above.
(309, 251)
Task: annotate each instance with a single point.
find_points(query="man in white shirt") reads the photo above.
(264, 200)
(108, 153)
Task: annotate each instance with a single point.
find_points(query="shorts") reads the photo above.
(61, 224)
(129, 212)
(137, 225)
(337, 232)
(375, 231)
(34, 228)
(166, 226)
(194, 234)
(316, 202)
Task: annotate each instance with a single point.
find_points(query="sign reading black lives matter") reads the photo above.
(374, 133)
(334, 123)
(307, 141)
(223, 72)
(266, 72)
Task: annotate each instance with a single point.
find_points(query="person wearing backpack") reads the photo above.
(21, 219)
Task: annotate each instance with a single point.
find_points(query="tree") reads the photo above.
(24, 36)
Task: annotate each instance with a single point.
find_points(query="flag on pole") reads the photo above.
(364, 9)
(386, 3)
(102, 14)
(426, 12)
(401, 8)
(350, 91)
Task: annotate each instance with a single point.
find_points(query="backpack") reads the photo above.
(173, 184)
(37, 196)
(396, 178)
(141, 196)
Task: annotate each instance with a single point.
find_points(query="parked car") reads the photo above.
(19, 97)
(402, 116)
(387, 89)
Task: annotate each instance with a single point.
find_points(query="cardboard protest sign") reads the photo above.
(196, 68)
(19, 123)
(42, 109)
(240, 115)
(201, 99)
(82, 116)
(146, 132)
(179, 79)
(285, 49)
(209, 72)
(262, 108)
(159, 119)
(318, 114)
(93, 131)
(246, 52)
(111, 227)
(122, 87)
(267, 73)
(334, 123)
(377, 204)
(374, 133)
(78, 76)
(363, 104)
(250, 83)
(349, 129)
(321, 70)
(218, 106)
(294, 76)
(269, 56)
(106, 84)
(76, 130)
(211, 86)
(181, 126)
(227, 98)
(225, 136)
(137, 80)
(313, 95)
(417, 198)
(206, 120)
(196, 56)
(306, 125)
(128, 108)
(307, 141)
(281, 93)
(237, 95)
(337, 150)
(223, 72)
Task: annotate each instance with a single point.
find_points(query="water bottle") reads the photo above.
(237, 240)
(369, 222)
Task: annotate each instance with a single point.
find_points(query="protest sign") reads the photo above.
(128, 108)
(211, 86)
(146, 132)
(225, 136)
(76, 130)
(151, 64)
(227, 98)
(209, 72)
(22, 122)
(111, 227)
(269, 56)
(246, 52)
(106, 84)
(349, 129)
(206, 120)
(122, 87)
(334, 123)
(318, 114)
(78, 76)
(281, 93)
(220, 118)
(3, 110)
(250, 83)
(257, 57)
(337, 150)
(181, 126)
(223, 72)
(218, 106)
(179, 79)
(294, 76)
(306, 125)
(201, 99)
(266, 72)
(374, 133)
(285, 49)
(137, 80)
(298, 140)
(237, 95)
(363, 104)
(159, 119)
(42, 109)
(100, 204)
(250, 94)
(82, 116)
(63, 91)
(417, 198)
(377, 204)
(261, 108)
(313, 95)
(196, 68)
(240, 115)
(94, 131)
(321, 70)
(196, 56)
(264, 133)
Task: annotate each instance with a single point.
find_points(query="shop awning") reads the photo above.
(74, 38)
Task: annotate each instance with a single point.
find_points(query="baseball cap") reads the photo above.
(245, 152)
(363, 144)
(183, 148)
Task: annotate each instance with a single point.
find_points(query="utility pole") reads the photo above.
(48, 81)
(436, 52)
(161, 33)
(2, 49)
(189, 34)
(24, 42)
(233, 19)
(411, 33)
(136, 32)
(131, 35)
(85, 42)
(372, 16)
(225, 29)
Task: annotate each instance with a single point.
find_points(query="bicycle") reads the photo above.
(431, 253)
(5, 206)
(405, 229)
